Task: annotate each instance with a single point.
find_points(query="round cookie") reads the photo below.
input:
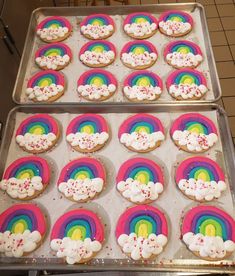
(82, 179)
(142, 86)
(140, 180)
(186, 84)
(46, 86)
(77, 236)
(140, 25)
(37, 133)
(54, 29)
(26, 178)
(141, 133)
(209, 232)
(99, 53)
(183, 54)
(193, 132)
(22, 229)
(200, 178)
(175, 23)
(54, 56)
(97, 26)
(138, 54)
(87, 133)
(142, 232)
(96, 85)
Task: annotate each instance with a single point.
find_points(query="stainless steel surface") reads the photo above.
(177, 265)
(27, 57)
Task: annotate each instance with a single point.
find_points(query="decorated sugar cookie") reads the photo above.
(186, 84)
(54, 29)
(141, 133)
(77, 236)
(46, 86)
(87, 133)
(200, 178)
(183, 54)
(193, 132)
(97, 26)
(138, 54)
(99, 53)
(97, 85)
(142, 86)
(37, 133)
(142, 232)
(140, 180)
(82, 179)
(54, 56)
(209, 232)
(140, 25)
(26, 177)
(22, 229)
(175, 23)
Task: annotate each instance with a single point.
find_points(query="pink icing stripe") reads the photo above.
(171, 78)
(143, 42)
(144, 162)
(50, 119)
(85, 75)
(165, 14)
(45, 173)
(41, 74)
(188, 218)
(88, 44)
(41, 222)
(132, 210)
(97, 118)
(191, 44)
(186, 116)
(107, 17)
(141, 118)
(78, 162)
(54, 45)
(198, 159)
(99, 235)
(129, 17)
(59, 18)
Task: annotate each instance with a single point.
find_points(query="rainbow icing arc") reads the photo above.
(138, 47)
(54, 49)
(176, 15)
(46, 78)
(97, 19)
(54, 22)
(140, 17)
(98, 46)
(183, 47)
(143, 78)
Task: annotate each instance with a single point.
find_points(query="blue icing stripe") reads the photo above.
(145, 169)
(40, 124)
(204, 127)
(52, 22)
(142, 124)
(87, 123)
(172, 15)
(104, 78)
(36, 168)
(79, 222)
(133, 47)
(98, 18)
(51, 77)
(194, 170)
(17, 218)
(152, 80)
(136, 17)
(79, 169)
(179, 77)
(135, 220)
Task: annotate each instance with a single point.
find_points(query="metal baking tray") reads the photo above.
(199, 35)
(110, 204)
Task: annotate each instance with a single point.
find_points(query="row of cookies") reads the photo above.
(191, 132)
(142, 232)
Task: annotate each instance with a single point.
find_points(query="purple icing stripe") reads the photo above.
(36, 120)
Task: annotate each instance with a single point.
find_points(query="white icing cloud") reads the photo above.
(43, 93)
(138, 60)
(52, 62)
(52, 33)
(97, 31)
(94, 92)
(92, 57)
(140, 29)
(174, 27)
(142, 92)
(187, 91)
(183, 60)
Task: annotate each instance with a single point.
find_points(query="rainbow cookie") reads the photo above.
(200, 178)
(193, 132)
(186, 84)
(141, 133)
(183, 54)
(142, 232)
(82, 179)
(140, 180)
(99, 53)
(77, 236)
(140, 25)
(209, 232)
(26, 178)
(138, 54)
(87, 133)
(54, 29)
(22, 229)
(142, 86)
(55, 56)
(97, 85)
(175, 23)
(97, 26)
(37, 133)
(46, 86)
